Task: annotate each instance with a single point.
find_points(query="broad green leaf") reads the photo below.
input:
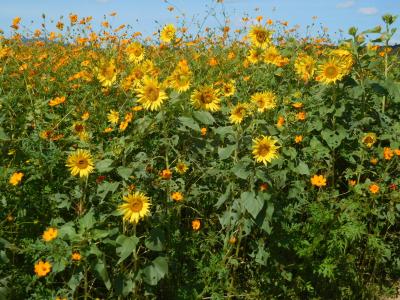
(104, 165)
(124, 172)
(302, 168)
(87, 221)
(252, 203)
(101, 270)
(127, 246)
(204, 117)
(156, 271)
(189, 122)
(226, 152)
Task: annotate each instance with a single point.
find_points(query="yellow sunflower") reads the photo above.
(206, 97)
(113, 117)
(264, 101)
(181, 77)
(168, 33)
(369, 139)
(255, 55)
(260, 36)
(107, 73)
(135, 52)
(151, 94)
(80, 162)
(304, 67)
(330, 71)
(137, 206)
(271, 55)
(238, 113)
(228, 88)
(265, 149)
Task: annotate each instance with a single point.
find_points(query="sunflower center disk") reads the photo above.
(152, 93)
(82, 164)
(264, 150)
(331, 72)
(136, 205)
(206, 98)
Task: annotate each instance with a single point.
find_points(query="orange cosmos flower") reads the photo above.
(56, 101)
(387, 153)
(166, 174)
(196, 224)
(76, 256)
(318, 180)
(16, 178)
(374, 188)
(50, 234)
(42, 268)
(298, 139)
(177, 196)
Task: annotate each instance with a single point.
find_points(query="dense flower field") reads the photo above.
(248, 164)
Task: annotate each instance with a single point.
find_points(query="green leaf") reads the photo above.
(302, 168)
(240, 170)
(127, 246)
(87, 221)
(124, 172)
(104, 165)
(226, 152)
(156, 239)
(3, 135)
(252, 203)
(156, 271)
(224, 196)
(104, 188)
(101, 270)
(189, 122)
(204, 117)
(333, 138)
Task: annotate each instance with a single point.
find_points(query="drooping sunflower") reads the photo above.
(80, 162)
(137, 206)
(168, 33)
(264, 101)
(330, 71)
(260, 36)
(207, 98)
(238, 112)
(265, 149)
(107, 73)
(135, 52)
(304, 67)
(151, 94)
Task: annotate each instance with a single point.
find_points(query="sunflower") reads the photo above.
(238, 113)
(304, 67)
(255, 55)
(346, 57)
(80, 162)
(260, 36)
(265, 149)
(181, 77)
(107, 73)
(113, 117)
(136, 207)
(42, 268)
(264, 100)
(228, 88)
(330, 71)
(151, 94)
(271, 55)
(135, 52)
(181, 168)
(207, 98)
(168, 33)
(369, 139)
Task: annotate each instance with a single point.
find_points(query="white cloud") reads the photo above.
(368, 10)
(345, 4)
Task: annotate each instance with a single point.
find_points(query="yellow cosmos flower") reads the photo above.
(207, 98)
(107, 73)
(16, 178)
(168, 33)
(151, 95)
(80, 162)
(136, 207)
(265, 149)
(260, 36)
(42, 268)
(264, 101)
(50, 234)
(57, 101)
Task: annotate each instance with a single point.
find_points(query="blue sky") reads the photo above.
(143, 15)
